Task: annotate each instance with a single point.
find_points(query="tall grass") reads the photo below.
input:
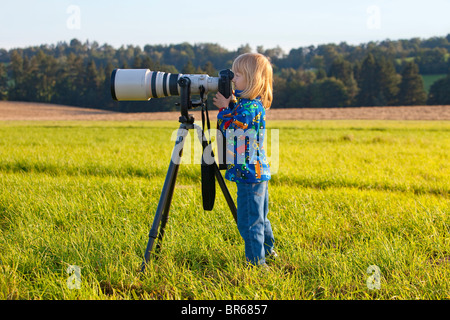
(347, 195)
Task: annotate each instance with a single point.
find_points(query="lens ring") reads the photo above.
(153, 84)
(164, 84)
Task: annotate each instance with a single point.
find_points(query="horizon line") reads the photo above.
(218, 44)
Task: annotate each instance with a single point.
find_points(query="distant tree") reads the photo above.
(321, 74)
(137, 63)
(440, 92)
(378, 82)
(76, 46)
(318, 62)
(93, 85)
(388, 81)
(70, 87)
(148, 63)
(105, 90)
(369, 88)
(343, 70)
(411, 91)
(209, 69)
(3, 82)
(273, 54)
(188, 68)
(16, 66)
(4, 55)
(290, 88)
(328, 92)
(432, 61)
(244, 49)
(42, 73)
(329, 53)
(295, 59)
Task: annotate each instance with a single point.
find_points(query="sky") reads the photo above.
(229, 23)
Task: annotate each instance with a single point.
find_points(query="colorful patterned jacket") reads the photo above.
(243, 126)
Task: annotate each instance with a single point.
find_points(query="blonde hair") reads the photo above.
(258, 73)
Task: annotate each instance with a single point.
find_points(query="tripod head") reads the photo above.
(185, 100)
(184, 83)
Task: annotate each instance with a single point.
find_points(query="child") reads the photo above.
(246, 159)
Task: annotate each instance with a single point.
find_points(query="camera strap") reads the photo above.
(205, 111)
(208, 170)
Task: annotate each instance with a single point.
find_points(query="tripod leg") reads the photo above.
(165, 215)
(226, 192)
(162, 211)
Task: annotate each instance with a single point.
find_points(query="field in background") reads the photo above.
(11, 111)
(348, 194)
(429, 79)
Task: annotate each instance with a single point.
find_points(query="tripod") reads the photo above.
(162, 211)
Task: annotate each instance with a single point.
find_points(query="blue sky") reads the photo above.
(230, 23)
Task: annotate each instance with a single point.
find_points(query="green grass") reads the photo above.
(347, 195)
(429, 79)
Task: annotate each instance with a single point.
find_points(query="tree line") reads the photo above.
(385, 73)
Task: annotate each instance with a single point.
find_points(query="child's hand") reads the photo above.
(220, 101)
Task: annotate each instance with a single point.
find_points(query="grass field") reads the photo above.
(347, 195)
(429, 79)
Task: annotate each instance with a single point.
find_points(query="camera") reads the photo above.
(143, 84)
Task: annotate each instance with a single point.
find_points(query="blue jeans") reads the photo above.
(252, 222)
